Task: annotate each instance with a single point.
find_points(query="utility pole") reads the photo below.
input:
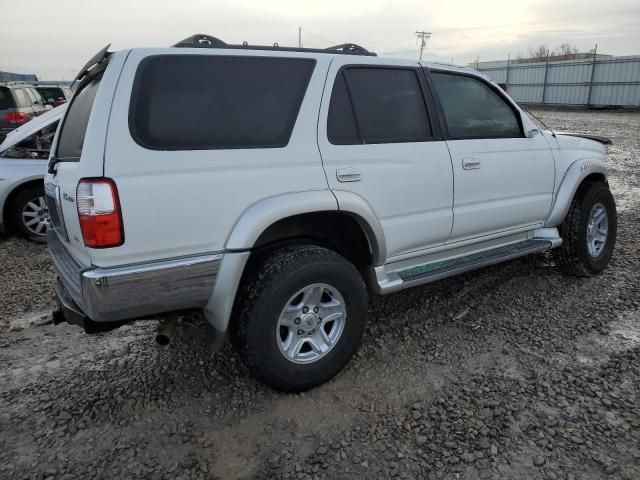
(299, 37)
(423, 38)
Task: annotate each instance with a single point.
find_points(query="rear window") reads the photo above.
(6, 99)
(75, 123)
(198, 102)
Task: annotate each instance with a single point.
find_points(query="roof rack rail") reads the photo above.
(201, 40)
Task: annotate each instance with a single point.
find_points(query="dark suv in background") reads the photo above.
(19, 103)
(54, 95)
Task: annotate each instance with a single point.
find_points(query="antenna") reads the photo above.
(423, 39)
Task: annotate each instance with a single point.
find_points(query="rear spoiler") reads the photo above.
(597, 138)
(95, 60)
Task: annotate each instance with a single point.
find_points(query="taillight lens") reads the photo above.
(15, 117)
(99, 212)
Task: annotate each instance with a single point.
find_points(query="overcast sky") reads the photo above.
(52, 39)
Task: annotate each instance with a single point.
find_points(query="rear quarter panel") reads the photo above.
(177, 203)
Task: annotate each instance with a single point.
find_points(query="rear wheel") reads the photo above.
(588, 231)
(31, 215)
(301, 317)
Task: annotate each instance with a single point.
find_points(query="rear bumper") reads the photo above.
(133, 291)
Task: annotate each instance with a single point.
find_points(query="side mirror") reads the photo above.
(532, 133)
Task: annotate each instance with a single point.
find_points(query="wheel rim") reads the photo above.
(35, 216)
(311, 323)
(597, 230)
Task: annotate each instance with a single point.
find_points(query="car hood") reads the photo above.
(31, 127)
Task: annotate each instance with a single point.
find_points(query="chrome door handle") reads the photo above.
(348, 174)
(470, 163)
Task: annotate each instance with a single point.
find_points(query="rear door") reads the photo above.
(503, 180)
(379, 139)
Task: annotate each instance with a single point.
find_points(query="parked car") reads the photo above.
(182, 180)
(54, 95)
(23, 164)
(19, 103)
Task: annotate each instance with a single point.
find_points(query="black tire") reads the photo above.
(271, 284)
(20, 201)
(573, 256)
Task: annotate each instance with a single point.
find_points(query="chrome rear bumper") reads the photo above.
(134, 291)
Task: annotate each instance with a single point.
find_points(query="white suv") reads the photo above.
(272, 188)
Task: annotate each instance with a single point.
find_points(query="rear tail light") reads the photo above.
(15, 117)
(99, 212)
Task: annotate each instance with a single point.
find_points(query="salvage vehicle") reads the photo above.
(23, 165)
(273, 188)
(19, 103)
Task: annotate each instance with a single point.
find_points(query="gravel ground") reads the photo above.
(514, 371)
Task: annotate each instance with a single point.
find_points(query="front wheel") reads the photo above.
(301, 317)
(588, 231)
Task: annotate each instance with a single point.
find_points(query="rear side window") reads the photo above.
(6, 99)
(473, 109)
(21, 98)
(75, 123)
(388, 107)
(203, 102)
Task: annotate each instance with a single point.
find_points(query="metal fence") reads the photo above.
(612, 81)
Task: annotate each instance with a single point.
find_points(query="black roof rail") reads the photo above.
(201, 40)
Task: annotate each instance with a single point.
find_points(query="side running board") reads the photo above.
(430, 272)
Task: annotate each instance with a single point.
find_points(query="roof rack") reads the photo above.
(201, 40)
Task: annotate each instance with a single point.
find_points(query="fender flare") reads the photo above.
(259, 216)
(573, 177)
(364, 214)
(264, 213)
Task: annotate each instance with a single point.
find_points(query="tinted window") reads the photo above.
(75, 123)
(341, 124)
(6, 99)
(21, 98)
(473, 109)
(389, 105)
(189, 102)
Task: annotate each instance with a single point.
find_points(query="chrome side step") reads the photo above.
(436, 270)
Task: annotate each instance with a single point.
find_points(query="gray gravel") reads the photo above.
(514, 371)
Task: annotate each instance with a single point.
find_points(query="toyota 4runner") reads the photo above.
(272, 188)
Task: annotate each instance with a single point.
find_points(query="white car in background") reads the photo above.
(23, 164)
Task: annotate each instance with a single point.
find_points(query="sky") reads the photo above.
(63, 35)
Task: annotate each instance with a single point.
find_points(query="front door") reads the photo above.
(503, 180)
(378, 141)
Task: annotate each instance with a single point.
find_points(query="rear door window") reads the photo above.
(202, 102)
(21, 98)
(472, 109)
(6, 99)
(388, 106)
(74, 128)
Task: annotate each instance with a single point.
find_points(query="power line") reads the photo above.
(330, 42)
(423, 38)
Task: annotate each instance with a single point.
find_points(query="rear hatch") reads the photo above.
(78, 150)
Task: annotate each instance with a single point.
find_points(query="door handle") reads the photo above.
(348, 174)
(470, 163)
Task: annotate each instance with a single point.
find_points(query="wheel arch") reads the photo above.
(577, 175)
(14, 191)
(312, 217)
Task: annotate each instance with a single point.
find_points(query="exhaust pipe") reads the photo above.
(166, 329)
